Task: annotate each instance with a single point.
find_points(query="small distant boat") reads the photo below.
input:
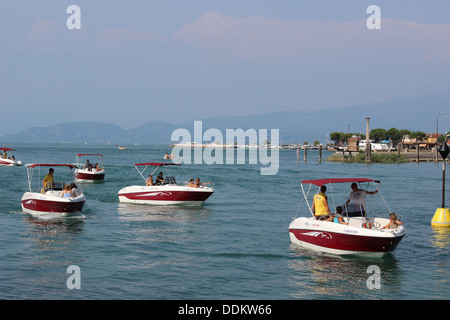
(11, 161)
(37, 201)
(122, 148)
(168, 193)
(91, 171)
(361, 235)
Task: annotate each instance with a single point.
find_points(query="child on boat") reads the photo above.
(338, 218)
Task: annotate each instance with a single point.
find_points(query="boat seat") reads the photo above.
(356, 222)
(53, 193)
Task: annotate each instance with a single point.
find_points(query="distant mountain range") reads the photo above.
(415, 113)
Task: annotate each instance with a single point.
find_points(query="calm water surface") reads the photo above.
(235, 246)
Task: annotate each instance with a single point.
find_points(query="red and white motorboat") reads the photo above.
(168, 193)
(50, 199)
(9, 161)
(91, 171)
(360, 235)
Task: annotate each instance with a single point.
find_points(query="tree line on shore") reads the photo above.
(393, 135)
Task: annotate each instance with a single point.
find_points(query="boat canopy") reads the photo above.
(7, 149)
(89, 154)
(33, 165)
(157, 164)
(321, 182)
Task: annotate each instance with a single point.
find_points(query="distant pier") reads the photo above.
(406, 156)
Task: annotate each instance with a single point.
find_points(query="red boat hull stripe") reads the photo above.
(52, 206)
(340, 241)
(167, 196)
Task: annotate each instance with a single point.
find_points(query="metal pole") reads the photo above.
(443, 184)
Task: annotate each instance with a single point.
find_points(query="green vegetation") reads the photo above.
(389, 157)
(394, 135)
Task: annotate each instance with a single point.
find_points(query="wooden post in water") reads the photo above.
(417, 153)
(305, 153)
(368, 146)
(320, 153)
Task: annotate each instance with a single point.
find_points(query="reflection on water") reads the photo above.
(440, 238)
(51, 246)
(147, 225)
(139, 212)
(52, 235)
(325, 276)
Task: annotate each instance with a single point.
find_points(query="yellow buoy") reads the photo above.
(441, 218)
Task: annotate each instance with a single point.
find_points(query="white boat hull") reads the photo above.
(51, 202)
(89, 175)
(343, 239)
(164, 195)
(10, 162)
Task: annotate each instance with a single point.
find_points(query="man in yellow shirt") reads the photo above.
(48, 180)
(320, 206)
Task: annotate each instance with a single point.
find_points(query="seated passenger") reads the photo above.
(198, 183)
(149, 181)
(74, 190)
(338, 218)
(88, 165)
(191, 184)
(66, 193)
(160, 179)
(393, 222)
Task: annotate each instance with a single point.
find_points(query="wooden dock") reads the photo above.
(411, 155)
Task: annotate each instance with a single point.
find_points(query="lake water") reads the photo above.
(235, 246)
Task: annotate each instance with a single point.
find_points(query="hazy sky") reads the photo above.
(182, 60)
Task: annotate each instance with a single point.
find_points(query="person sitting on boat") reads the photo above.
(149, 181)
(66, 193)
(160, 179)
(74, 190)
(48, 180)
(358, 197)
(198, 184)
(393, 222)
(320, 206)
(191, 183)
(338, 218)
(88, 165)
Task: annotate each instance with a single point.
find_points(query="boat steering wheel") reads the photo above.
(376, 225)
